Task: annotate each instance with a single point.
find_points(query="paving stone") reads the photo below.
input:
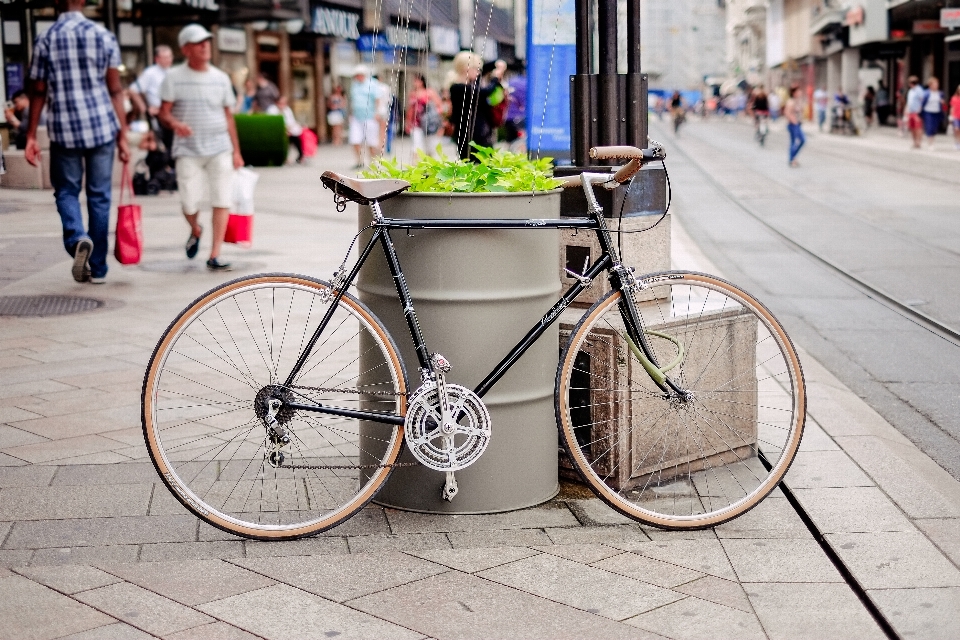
(103, 457)
(104, 474)
(295, 615)
(142, 609)
(342, 578)
(945, 534)
(115, 631)
(638, 567)
(799, 611)
(772, 518)
(12, 414)
(597, 535)
(28, 609)
(852, 509)
(815, 438)
(692, 618)
(779, 560)
(10, 461)
(816, 469)
(661, 535)
(371, 520)
(316, 546)
(12, 437)
(109, 554)
(191, 550)
(915, 482)
(459, 606)
(57, 503)
(473, 560)
(703, 555)
(33, 386)
(405, 542)
(57, 450)
(894, 560)
(920, 613)
(582, 553)
(190, 582)
(30, 476)
(40, 534)
(69, 579)
(215, 631)
(4, 530)
(537, 517)
(15, 557)
(719, 591)
(116, 377)
(81, 423)
(581, 586)
(595, 512)
(508, 538)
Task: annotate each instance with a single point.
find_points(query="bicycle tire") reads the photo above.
(682, 464)
(203, 407)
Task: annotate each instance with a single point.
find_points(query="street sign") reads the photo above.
(551, 60)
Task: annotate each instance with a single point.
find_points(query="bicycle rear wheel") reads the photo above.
(672, 463)
(205, 397)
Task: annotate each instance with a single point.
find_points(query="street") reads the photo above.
(861, 543)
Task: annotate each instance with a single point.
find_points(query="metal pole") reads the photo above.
(609, 109)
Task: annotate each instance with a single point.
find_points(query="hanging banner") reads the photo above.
(551, 60)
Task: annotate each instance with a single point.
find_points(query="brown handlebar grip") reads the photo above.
(613, 153)
(572, 181)
(627, 171)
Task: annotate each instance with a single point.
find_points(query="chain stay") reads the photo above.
(349, 466)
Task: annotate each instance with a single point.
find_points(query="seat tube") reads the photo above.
(406, 300)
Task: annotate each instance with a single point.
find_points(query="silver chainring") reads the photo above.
(456, 445)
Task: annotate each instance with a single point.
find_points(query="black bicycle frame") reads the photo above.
(608, 261)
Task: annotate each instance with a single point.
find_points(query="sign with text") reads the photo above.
(336, 22)
(551, 60)
(950, 18)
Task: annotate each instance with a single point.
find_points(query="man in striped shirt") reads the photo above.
(75, 72)
(196, 105)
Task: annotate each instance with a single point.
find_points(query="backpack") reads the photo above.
(498, 101)
(430, 120)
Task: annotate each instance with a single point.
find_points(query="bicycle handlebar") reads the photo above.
(637, 157)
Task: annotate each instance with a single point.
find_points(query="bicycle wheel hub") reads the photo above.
(261, 404)
(453, 445)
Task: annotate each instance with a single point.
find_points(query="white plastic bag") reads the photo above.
(244, 186)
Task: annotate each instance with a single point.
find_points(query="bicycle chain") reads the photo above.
(327, 467)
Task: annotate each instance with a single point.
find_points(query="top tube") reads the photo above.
(491, 223)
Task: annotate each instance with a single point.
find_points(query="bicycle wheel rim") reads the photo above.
(741, 472)
(185, 463)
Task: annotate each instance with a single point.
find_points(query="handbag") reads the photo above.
(240, 222)
(128, 246)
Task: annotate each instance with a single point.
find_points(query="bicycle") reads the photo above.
(275, 406)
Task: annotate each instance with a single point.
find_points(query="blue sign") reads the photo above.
(373, 42)
(14, 76)
(551, 60)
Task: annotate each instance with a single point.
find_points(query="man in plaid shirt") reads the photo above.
(75, 72)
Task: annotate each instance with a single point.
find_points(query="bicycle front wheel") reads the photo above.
(205, 402)
(681, 462)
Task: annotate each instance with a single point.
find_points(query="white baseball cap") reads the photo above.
(361, 70)
(192, 34)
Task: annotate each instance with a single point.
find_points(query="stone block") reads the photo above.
(21, 174)
(629, 464)
(646, 251)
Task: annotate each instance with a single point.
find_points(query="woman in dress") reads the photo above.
(336, 106)
(423, 117)
(932, 111)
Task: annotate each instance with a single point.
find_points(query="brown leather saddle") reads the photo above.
(363, 191)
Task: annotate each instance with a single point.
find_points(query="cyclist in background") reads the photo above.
(759, 108)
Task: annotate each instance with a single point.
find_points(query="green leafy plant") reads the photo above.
(496, 171)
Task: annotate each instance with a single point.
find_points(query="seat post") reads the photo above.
(377, 214)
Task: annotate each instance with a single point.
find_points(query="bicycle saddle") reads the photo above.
(363, 191)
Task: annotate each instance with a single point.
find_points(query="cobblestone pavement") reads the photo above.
(93, 546)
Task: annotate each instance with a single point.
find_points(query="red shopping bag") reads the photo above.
(239, 228)
(129, 238)
(309, 141)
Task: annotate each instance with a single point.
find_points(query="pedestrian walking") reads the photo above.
(677, 111)
(423, 117)
(932, 109)
(912, 110)
(820, 101)
(792, 114)
(266, 94)
(883, 104)
(365, 97)
(955, 117)
(196, 104)
(471, 112)
(75, 72)
(336, 114)
(294, 128)
(869, 101)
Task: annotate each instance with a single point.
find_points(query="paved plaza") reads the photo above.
(93, 546)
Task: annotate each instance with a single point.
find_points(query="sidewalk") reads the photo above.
(95, 547)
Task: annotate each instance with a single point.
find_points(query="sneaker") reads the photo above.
(214, 264)
(100, 280)
(81, 260)
(193, 245)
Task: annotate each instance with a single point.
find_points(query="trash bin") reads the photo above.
(477, 293)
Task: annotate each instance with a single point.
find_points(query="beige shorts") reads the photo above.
(365, 132)
(196, 173)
